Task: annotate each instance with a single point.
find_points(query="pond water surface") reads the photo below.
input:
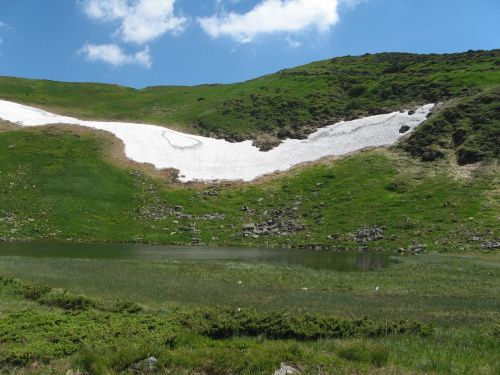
(331, 260)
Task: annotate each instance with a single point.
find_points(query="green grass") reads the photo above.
(59, 185)
(431, 288)
(456, 293)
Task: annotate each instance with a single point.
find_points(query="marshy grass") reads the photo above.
(436, 288)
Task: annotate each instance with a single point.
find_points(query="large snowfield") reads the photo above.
(206, 159)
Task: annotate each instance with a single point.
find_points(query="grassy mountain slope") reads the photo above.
(437, 189)
(58, 185)
(290, 103)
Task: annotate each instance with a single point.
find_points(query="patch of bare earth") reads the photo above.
(7, 126)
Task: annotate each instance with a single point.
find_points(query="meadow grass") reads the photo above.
(456, 293)
(440, 289)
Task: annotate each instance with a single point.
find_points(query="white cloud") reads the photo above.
(112, 54)
(350, 4)
(2, 25)
(141, 20)
(7, 27)
(273, 16)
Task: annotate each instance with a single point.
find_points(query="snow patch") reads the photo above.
(207, 159)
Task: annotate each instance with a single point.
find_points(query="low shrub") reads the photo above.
(33, 292)
(220, 323)
(129, 307)
(68, 302)
(29, 336)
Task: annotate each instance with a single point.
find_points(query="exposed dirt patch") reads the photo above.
(7, 126)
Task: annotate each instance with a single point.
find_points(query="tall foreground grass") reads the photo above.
(458, 294)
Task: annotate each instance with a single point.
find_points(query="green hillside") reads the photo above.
(290, 103)
(436, 190)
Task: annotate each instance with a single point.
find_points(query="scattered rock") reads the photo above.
(285, 370)
(417, 249)
(368, 234)
(249, 227)
(147, 365)
(213, 193)
(314, 246)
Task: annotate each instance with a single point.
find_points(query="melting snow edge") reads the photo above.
(206, 159)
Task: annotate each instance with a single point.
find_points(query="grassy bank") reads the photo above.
(62, 184)
(437, 190)
(456, 294)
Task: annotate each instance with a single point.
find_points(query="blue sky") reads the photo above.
(140, 43)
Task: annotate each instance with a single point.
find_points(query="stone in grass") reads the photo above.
(147, 365)
(249, 226)
(285, 370)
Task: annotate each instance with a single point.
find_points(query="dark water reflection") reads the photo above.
(339, 261)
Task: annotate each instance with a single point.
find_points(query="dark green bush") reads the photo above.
(33, 292)
(126, 307)
(219, 323)
(357, 91)
(68, 302)
(116, 339)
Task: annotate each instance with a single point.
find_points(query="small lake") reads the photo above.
(331, 260)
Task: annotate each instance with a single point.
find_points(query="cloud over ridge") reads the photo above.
(273, 16)
(141, 20)
(114, 55)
